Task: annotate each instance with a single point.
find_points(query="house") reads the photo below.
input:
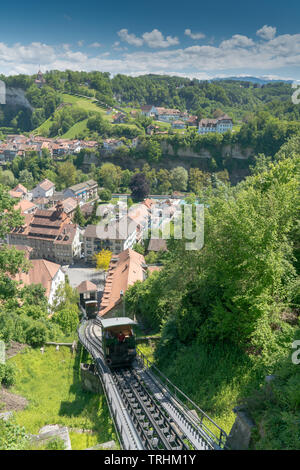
(124, 270)
(42, 202)
(83, 191)
(22, 191)
(69, 205)
(221, 124)
(44, 272)
(192, 121)
(44, 189)
(15, 194)
(119, 118)
(25, 206)
(167, 114)
(51, 234)
(140, 214)
(115, 236)
(178, 124)
(148, 110)
(151, 129)
(112, 144)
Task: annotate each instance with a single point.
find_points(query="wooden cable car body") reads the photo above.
(118, 341)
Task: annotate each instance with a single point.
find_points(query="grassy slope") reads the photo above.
(51, 383)
(214, 378)
(43, 127)
(86, 104)
(75, 130)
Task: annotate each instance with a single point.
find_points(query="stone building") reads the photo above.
(51, 234)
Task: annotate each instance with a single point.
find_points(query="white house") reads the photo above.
(44, 189)
(221, 124)
(148, 110)
(44, 272)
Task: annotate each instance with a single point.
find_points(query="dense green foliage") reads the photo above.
(7, 374)
(12, 435)
(239, 293)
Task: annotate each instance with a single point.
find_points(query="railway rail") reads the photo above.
(148, 411)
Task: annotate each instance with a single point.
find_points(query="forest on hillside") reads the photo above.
(202, 98)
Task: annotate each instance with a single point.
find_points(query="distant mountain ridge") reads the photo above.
(258, 80)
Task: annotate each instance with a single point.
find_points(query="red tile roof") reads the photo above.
(86, 286)
(125, 269)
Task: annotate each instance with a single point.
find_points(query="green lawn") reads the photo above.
(51, 383)
(43, 127)
(86, 104)
(75, 130)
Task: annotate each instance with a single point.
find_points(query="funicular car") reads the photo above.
(118, 341)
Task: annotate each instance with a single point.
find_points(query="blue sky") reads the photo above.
(195, 38)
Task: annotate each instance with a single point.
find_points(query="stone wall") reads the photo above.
(89, 380)
(240, 435)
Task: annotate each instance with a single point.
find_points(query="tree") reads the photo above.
(79, 217)
(67, 318)
(152, 149)
(9, 217)
(66, 174)
(65, 295)
(103, 259)
(34, 294)
(164, 183)
(179, 178)
(139, 187)
(110, 176)
(196, 180)
(105, 195)
(7, 178)
(26, 178)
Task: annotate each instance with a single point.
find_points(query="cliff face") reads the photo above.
(16, 97)
(228, 151)
(238, 168)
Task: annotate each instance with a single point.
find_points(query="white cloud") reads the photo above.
(80, 43)
(156, 39)
(189, 33)
(132, 39)
(237, 41)
(95, 44)
(152, 39)
(267, 32)
(236, 55)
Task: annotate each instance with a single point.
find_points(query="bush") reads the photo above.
(37, 334)
(67, 318)
(12, 436)
(55, 444)
(105, 195)
(8, 374)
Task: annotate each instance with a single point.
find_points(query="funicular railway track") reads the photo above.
(145, 413)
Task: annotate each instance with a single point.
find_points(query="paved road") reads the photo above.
(81, 272)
